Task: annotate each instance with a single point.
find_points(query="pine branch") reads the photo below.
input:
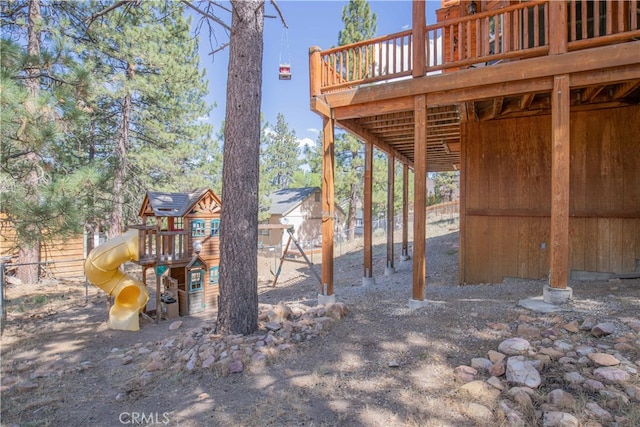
(273, 2)
(207, 15)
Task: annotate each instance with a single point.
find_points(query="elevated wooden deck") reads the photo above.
(490, 65)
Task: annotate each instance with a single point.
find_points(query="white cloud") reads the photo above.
(313, 130)
(305, 142)
(406, 27)
(203, 119)
(269, 132)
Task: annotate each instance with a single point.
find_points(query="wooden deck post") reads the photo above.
(367, 214)
(420, 198)
(328, 204)
(315, 71)
(391, 168)
(405, 212)
(557, 27)
(418, 36)
(560, 179)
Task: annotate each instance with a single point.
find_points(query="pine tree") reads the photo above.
(280, 155)
(43, 93)
(150, 100)
(238, 302)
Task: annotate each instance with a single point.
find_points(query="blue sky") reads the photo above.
(311, 23)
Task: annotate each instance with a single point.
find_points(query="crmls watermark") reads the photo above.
(141, 418)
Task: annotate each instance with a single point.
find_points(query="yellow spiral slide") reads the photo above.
(102, 268)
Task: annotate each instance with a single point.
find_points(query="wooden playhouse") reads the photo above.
(179, 238)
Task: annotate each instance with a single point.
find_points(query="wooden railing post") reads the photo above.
(315, 71)
(418, 35)
(558, 30)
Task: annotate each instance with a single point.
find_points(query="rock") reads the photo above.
(574, 378)
(603, 359)
(634, 324)
(584, 350)
(514, 346)
(522, 372)
(528, 331)
(522, 398)
(593, 385)
(465, 373)
(393, 363)
(481, 391)
(612, 375)
(154, 366)
(551, 352)
(481, 364)
(561, 399)
(559, 419)
(498, 369)
(495, 356)
(572, 327)
(595, 410)
(175, 325)
(588, 324)
(273, 326)
(283, 312)
(633, 391)
(236, 367)
(479, 412)
(562, 346)
(208, 362)
(602, 329)
(496, 383)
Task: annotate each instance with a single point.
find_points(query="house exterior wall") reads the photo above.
(306, 219)
(507, 184)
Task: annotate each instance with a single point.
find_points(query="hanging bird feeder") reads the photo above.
(284, 72)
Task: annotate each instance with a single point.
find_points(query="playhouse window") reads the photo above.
(215, 228)
(178, 223)
(198, 228)
(195, 280)
(214, 275)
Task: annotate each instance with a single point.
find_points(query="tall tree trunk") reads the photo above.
(29, 253)
(238, 302)
(117, 197)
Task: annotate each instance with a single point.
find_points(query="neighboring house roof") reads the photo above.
(173, 204)
(287, 199)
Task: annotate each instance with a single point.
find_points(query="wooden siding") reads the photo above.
(64, 258)
(507, 195)
(67, 257)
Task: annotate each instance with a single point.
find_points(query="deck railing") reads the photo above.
(512, 33)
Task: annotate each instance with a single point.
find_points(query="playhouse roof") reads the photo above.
(285, 200)
(173, 204)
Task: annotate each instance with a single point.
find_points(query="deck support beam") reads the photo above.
(405, 212)
(420, 198)
(328, 205)
(391, 169)
(367, 216)
(560, 180)
(419, 44)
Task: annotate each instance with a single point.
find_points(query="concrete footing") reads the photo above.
(368, 281)
(326, 299)
(389, 271)
(415, 304)
(556, 295)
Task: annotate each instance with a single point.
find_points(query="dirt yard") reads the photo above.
(381, 365)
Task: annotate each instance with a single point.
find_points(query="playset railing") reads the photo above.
(160, 246)
(512, 33)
